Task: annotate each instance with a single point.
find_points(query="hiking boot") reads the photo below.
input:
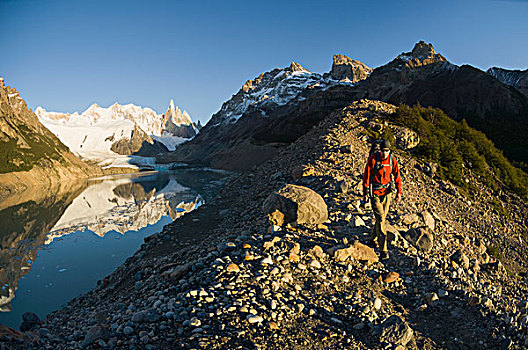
(384, 255)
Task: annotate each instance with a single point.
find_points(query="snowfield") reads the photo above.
(91, 134)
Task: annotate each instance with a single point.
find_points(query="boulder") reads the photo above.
(421, 237)
(410, 219)
(295, 204)
(429, 220)
(358, 251)
(302, 171)
(95, 333)
(394, 330)
(8, 333)
(30, 321)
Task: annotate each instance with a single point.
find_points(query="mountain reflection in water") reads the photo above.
(122, 204)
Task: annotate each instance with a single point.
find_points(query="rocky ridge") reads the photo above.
(221, 277)
(516, 78)
(29, 153)
(258, 129)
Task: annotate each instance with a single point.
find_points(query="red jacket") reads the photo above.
(382, 176)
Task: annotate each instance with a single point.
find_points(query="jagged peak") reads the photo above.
(2, 84)
(343, 59)
(348, 70)
(296, 67)
(422, 49)
(422, 53)
(171, 105)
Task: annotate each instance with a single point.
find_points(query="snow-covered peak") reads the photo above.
(177, 116)
(270, 89)
(146, 118)
(96, 132)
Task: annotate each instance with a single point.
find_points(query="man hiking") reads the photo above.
(381, 175)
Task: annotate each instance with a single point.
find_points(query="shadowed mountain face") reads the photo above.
(516, 78)
(25, 226)
(419, 76)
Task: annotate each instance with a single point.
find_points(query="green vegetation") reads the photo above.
(41, 147)
(456, 147)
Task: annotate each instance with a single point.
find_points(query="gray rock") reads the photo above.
(421, 237)
(128, 330)
(394, 330)
(30, 321)
(95, 333)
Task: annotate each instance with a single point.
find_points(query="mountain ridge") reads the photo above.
(421, 76)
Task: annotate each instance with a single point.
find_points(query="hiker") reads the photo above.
(381, 176)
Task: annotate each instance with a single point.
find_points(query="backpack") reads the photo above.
(375, 149)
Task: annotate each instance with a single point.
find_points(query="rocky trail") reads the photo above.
(223, 278)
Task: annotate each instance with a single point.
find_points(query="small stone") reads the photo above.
(431, 299)
(273, 326)
(267, 261)
(315, 264)
(274, 271)
(442, 293)
(195, 322)
(394, 330)
(128, 330)
(358, 222)
(233, 268)
(294, 258)
(377, 303)
(317, 252)
(254, 319)
(312, 312)
(391, 277)
(269, 244)
(300, 307)
(249, 257)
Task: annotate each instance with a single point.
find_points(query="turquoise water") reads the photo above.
(56, 248)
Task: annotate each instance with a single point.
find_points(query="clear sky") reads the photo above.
(66, 55)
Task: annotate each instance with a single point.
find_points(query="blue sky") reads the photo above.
(66, 55)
